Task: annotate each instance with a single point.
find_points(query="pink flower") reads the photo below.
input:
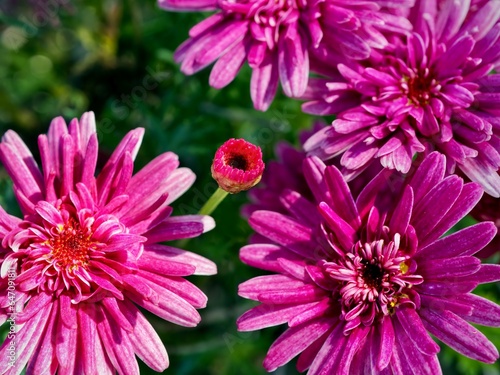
(362, 283)
(276, 37)
(432, 91)
(87, 254)
(237, 165)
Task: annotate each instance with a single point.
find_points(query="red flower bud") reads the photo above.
(237, 165)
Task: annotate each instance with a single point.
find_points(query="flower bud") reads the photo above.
(237, 165)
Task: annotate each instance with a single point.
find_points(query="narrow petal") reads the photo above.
(428, 174)
(329, 355)
(484, 312)
(402, 213)
(468, 198)
(284, 231)
(146, 342)
(410, 356)
(433, 207)
(448, 269)
(458, 334)
(343, 232)
(343, 202)
(412, 325)
(293, 62)
(254, 287)
(265, 315)
(294, 341)
(228, 66)
(465, 242)
(264, 83)
(177, 227)
(203, 266)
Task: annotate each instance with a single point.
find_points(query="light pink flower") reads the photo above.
(87, 254)
(276, 37)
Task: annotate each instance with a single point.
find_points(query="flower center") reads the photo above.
(420, 87)
(237, 161)
(372, 274)
(375, 278)
(71, 246)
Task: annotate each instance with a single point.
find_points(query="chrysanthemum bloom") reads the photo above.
(361, 284)
(237, 165)
(432, 91)
(86, 254)
(275, 37)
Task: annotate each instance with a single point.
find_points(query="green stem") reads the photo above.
(213, 202)
(207, 209)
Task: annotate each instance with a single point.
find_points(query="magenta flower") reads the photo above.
(87, 254)
(237, 165)
(275, 37)
(433, 91)
(361, 284)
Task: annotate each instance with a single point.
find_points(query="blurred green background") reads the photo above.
(64, 58)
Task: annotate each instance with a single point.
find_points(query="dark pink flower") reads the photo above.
(276, 37)
(431, 91)
(237, 165)
(363, 283)
(86, 254)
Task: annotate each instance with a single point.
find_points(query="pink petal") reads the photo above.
(177, 227)
(293, 62)
(227, 66)
(284, 231)
(264, 83)
(294, 341)
(265, 256)
(264, 316)
(458, 334)
(412, 325)
(467, 241)
(146, 342)
(203, 266)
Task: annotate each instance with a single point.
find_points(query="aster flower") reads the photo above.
(87, 254)
(275, 37)
(362, 283)
(431, 91)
